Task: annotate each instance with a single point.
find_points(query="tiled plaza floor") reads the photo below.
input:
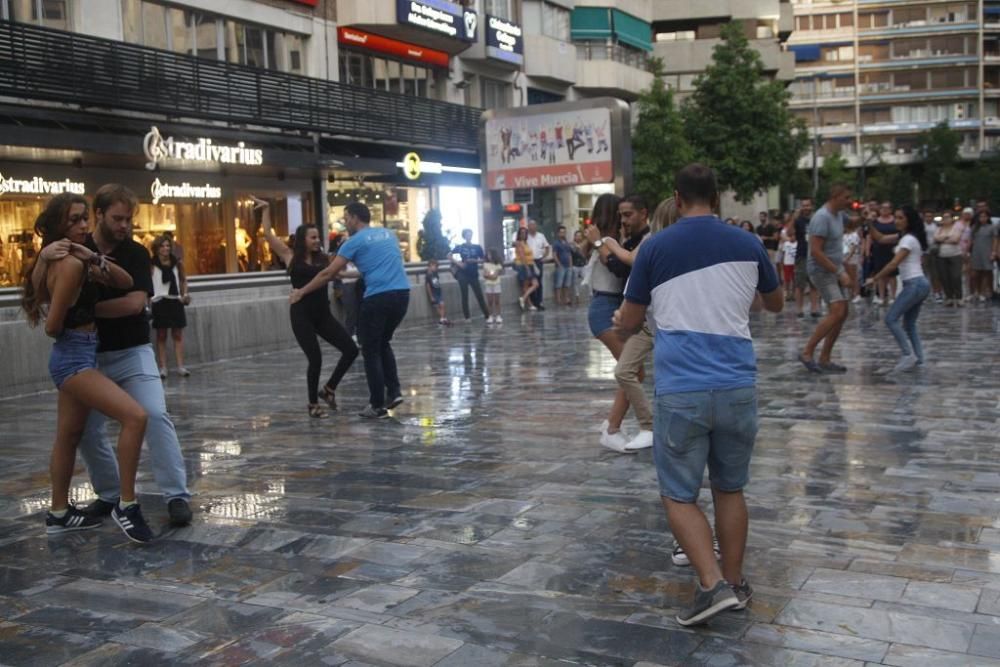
(485, 526)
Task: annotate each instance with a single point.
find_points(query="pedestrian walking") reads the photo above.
(432, 284)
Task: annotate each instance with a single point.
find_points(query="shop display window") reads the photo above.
(197, 230)
(399, 209)
(18, 243)
(253, 253)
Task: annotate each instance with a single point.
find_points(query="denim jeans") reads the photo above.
(907, 307)
(135, 371)
(380, 315)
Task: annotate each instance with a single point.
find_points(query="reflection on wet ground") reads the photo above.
(484, 526)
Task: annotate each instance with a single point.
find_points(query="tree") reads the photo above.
(738, 120)
(659, 146)
(834, 170)
(890, 182)
(431, 242)
(939, 148)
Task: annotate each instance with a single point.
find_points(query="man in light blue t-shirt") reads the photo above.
(375, 252)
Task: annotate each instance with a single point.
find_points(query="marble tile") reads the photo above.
(395, 647)
(485, 525)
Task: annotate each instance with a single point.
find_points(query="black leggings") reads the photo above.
(308, 322)
(464, 283)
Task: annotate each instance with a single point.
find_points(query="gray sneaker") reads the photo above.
(708, 603)
(743, 593)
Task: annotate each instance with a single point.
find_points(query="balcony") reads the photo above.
(380, 17)
(641, 9)
(45, 64)
(690, 56)
(611, 70)
(692, 10)
(786, 20)
(550, 59)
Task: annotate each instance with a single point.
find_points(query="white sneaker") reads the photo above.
(643, 440)
(163, 373)
(907, 363)
(498, 319)
(616, 442)
(877, 301)
(856, 299)
(604, 426)
(520, 301)
(183, 372)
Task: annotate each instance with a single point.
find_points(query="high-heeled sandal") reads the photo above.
(329, 397)
(316, 411)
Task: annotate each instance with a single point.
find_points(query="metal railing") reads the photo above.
(45, 64)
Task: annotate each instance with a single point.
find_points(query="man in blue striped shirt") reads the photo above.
(697, 281)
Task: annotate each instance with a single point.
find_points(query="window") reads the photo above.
(909, 16)
(494, 94)
(846, 20)
(873, 20)
(802, 23)
(48, 13)
(367, 71)
(555, 21)
(503, 9)
(903, 81)
(211, 37)
(947, 78)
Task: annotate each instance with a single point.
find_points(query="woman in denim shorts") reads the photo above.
(65, 278)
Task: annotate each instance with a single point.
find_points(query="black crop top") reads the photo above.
(302, 274)
(82, 312)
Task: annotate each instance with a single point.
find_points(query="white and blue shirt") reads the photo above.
(699, 278)
(375, 251)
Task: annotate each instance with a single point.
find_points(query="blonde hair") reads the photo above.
(666, 214)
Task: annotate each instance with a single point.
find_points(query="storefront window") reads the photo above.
(197, 229)
(399, 209)
(18, 244)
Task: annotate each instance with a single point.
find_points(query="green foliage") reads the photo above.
(833, 170)
(659, 146)
(738, 121)
(939, 147)
(431, 242)
(890, 182)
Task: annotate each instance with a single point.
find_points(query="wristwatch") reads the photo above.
(598, 243)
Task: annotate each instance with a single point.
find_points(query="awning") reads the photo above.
(805, 52)
(632, 31)
(590, 23)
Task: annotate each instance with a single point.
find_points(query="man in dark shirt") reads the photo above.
(467, 258)
(125, 355)
(802, 217)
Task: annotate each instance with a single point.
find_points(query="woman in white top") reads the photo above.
(170, 295)
(916, 287)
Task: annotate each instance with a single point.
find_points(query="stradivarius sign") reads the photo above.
(160, 190)
(36, 185)
(158, 149)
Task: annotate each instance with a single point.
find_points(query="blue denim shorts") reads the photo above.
(563, 278)
(73, 352)
(699, 428)
(602, 310)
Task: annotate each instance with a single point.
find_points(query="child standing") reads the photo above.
(788, 250)
(492, 270)
(432, 283)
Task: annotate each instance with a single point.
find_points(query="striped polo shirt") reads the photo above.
(699, 278)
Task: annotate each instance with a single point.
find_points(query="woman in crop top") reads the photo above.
(311, 316)
(524, 266)
(916, 287)
(65, 296)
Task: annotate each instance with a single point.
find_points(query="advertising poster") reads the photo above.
(549, 150)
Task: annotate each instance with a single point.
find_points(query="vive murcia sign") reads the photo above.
(158, 149)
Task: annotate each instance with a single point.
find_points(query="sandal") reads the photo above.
(328, 396)
(316, 411)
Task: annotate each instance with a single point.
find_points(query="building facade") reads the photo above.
(877, 73)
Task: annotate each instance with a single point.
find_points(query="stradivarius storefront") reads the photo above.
(197, 187)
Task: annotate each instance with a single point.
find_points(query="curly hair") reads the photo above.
(51, 226)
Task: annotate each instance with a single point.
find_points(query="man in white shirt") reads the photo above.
(540, 250)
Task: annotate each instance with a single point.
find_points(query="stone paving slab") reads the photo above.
(484, 526)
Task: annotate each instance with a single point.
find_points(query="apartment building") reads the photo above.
(687, 31)
(879, 72)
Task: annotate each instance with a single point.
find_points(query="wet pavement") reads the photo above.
(485, 526)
